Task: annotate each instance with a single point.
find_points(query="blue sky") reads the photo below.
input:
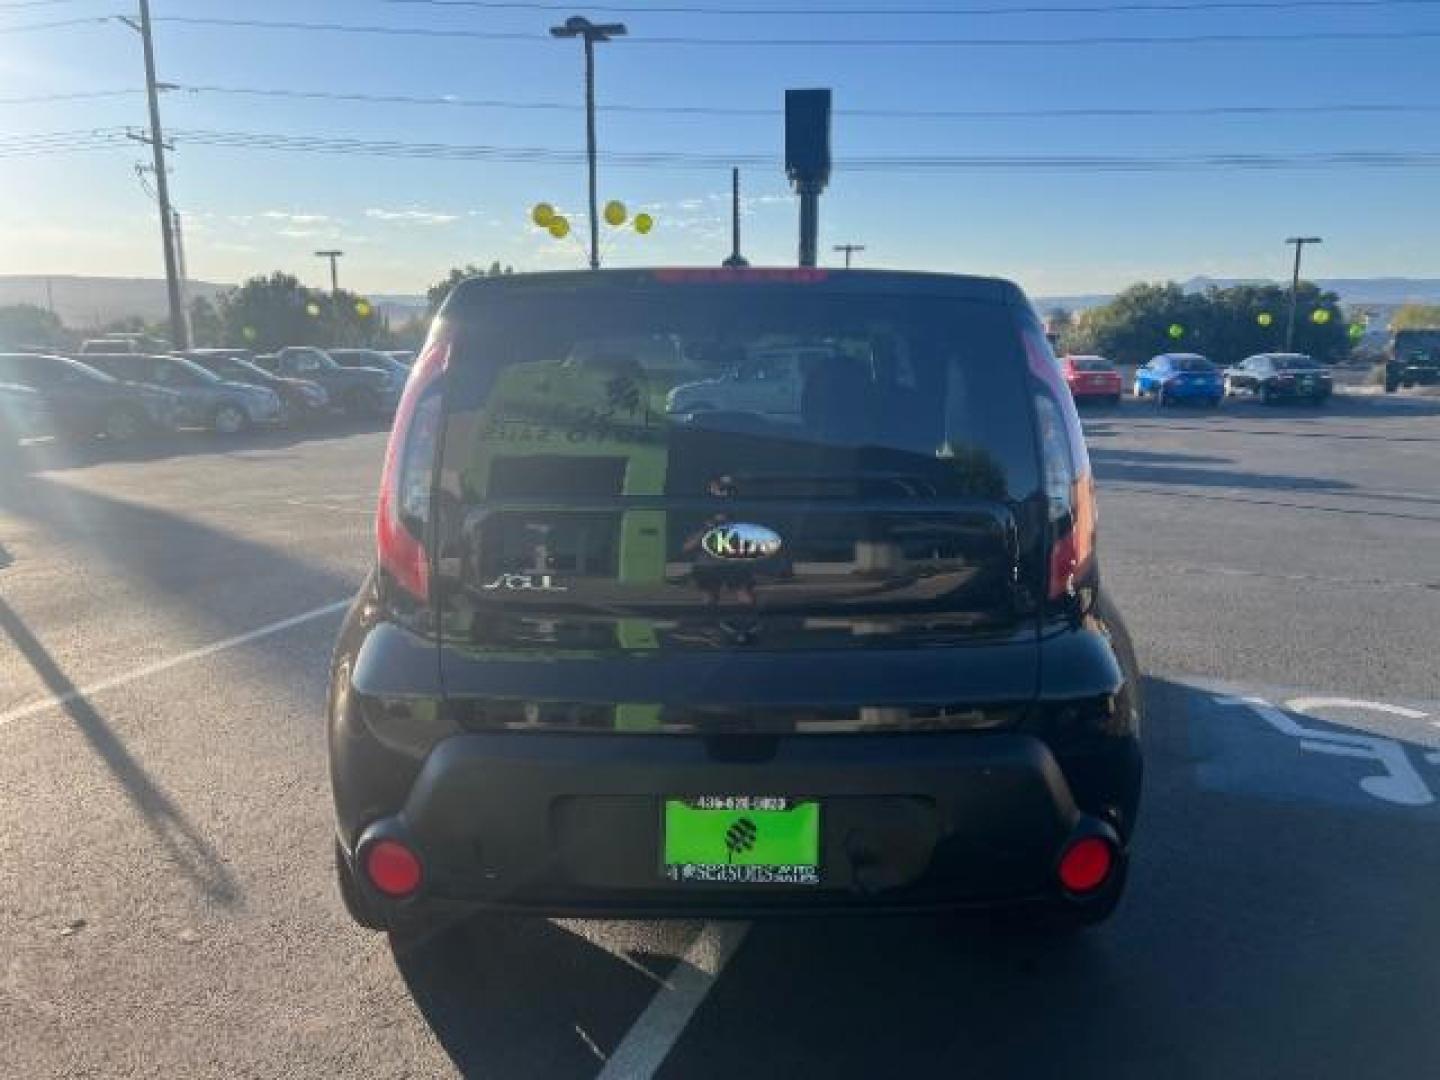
(403, 222)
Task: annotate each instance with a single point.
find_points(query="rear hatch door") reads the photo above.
(683, 507)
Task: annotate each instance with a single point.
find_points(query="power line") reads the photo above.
(56, 24)
(869, 43)
(1046, 9)
(452, 101)
(80, 95)
(242, 140)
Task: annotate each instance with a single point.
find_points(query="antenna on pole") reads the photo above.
(735, 259)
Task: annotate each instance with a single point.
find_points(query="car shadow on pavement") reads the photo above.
(526, 997)
(57, 455)
(1269, 930)
(1152, 467)
(187, 849)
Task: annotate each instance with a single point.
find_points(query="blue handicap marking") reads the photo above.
(1247, 744)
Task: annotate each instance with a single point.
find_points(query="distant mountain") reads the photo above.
(1386, 291)
(1381, 294)
(89, 302)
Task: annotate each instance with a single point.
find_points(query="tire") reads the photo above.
(1161, 399)
(361, 404)
(229, 420)
(356, 906)
(1267, 396)
(122, 424)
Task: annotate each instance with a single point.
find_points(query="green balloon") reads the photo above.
(1176, 331)
(1264, 318)
(1356, 331)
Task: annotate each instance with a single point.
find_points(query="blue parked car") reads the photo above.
(1180, 377)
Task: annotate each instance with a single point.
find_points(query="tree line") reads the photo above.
(263, 313)
(1225, 324)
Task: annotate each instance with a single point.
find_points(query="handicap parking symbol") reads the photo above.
(1245, 757)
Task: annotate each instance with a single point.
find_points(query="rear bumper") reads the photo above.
(1096, 390)
(566, 824)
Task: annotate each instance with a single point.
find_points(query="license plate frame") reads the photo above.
(740, 840)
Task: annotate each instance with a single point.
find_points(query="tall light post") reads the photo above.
(590, 33)
(334, 257)
(1299, 242)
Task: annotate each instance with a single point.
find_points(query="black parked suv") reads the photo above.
(77, 400)
(847, 652)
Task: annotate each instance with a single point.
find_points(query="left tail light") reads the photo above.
(403, 516)
(1069, 487)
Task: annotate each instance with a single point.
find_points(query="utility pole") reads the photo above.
(849, 249)
(334, 257)
(1299, 242)
(590, 33)
(179, 335)
(735, 260)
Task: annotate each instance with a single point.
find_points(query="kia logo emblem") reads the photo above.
(741, 542)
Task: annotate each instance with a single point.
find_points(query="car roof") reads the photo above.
(819, 280)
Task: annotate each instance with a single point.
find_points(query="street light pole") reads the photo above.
(1299, 242)
(590, 33)
(849, 249)
(334, 257)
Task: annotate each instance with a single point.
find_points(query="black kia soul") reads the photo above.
(734, 592)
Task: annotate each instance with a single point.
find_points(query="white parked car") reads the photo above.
(769, 382)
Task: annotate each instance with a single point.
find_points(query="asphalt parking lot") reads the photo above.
(167, 905)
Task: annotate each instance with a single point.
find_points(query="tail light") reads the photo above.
(1066, 464)
(404, 510)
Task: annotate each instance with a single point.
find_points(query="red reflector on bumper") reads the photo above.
(392, 868)
(1086, 864)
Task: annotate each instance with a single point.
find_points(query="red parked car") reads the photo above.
(1092, 378)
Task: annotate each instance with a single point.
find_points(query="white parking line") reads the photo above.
(57, 700)
(655, 1033)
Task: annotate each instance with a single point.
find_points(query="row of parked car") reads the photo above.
(1189, 378)
(119, 390)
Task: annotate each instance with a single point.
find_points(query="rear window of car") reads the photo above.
(792, 393)
(1191, 363)
(1090, 363)
(1292, 363)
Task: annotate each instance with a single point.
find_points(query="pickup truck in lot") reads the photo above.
(1414, 360)
(358, 391)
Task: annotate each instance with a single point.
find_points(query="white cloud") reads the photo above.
(295, 219)
(417, 217)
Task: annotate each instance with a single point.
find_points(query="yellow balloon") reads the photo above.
(644, 223)
(1321, 316)
(543, 214)
(615, 212)
(559, 227)
(1264, 318)
(362, 308)
(249, 333)
(312, 309)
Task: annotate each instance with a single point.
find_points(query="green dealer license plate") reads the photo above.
(741, 839)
